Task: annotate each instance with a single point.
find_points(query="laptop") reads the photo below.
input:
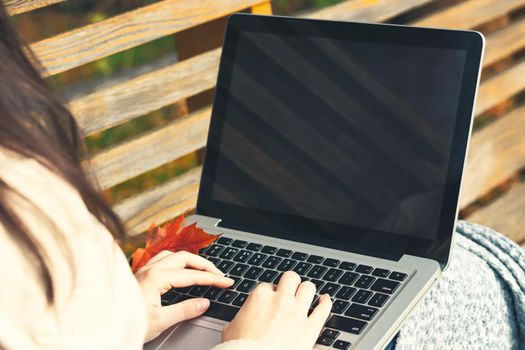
(335, 150)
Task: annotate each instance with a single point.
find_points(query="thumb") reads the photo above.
(183, 311)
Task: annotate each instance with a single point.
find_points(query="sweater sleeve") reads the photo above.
(98, 303)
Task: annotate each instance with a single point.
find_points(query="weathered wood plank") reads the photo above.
(160, 85)
(470, 14)
(506, 214)
(501, 87)
(167, 143)
(366, 10)
(16, 7)
(160, 203)
(496, 153)
(119, 33)
(504, 43)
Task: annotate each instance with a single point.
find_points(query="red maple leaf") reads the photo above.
(173, 236)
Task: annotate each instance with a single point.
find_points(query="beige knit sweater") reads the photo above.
(98, 303)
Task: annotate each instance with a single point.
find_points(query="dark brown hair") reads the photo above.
(35, 124)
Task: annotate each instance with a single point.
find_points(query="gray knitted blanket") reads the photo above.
(480, 301)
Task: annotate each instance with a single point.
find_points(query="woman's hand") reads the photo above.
(279, 314)
(167, 270)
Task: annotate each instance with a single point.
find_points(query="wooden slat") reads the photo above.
(366, 10)
(167, 143)
(262, 9)
(131, 97)
(15, 7)
(500, 88)
(506, 214)
(161, 203)
(504, 42)
(470, 14)
(496, 153)
(128, 30)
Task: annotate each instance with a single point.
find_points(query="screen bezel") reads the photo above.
(389, 245)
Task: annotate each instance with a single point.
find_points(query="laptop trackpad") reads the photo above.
(191, 336)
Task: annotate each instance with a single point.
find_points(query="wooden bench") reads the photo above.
(494, 188)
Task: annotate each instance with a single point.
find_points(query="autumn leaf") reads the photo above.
(173, 236)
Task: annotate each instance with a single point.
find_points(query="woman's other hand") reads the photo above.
(279, 315)
(167, 270)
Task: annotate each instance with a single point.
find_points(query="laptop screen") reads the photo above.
(351, 132)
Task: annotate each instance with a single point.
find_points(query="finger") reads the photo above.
(159, 256)
(186, 310)
(321, 312)
(289, 283)
(179, 278)
(305, 295)
(184, 259)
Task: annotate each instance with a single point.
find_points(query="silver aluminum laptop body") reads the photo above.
(205, 332)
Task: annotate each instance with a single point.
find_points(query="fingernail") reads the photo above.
(229, 279)
(202, 304)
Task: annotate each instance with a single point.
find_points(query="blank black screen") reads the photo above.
(348, 132)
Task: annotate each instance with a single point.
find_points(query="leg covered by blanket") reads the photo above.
(480, 301)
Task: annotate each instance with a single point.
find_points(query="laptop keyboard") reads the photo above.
(358, 291)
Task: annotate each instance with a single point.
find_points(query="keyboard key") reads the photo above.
(242, 256)
(348, 278)
(246, 286)
(198, 291)
(315, 259)
(269, 249)
(345, 293)
(268, 276)
(225, 240)
(346, 324)
(240, 299)
(239, 244)
(364, 281)
(378, 300)
(329, 288)
(225, 265)
(398, 276)
(214, 250)
(332, 275)
(316, 271)
(254, 247)
(299, 256)
(325, 341)
(212, 293)
(221, 311)
(169, 298)
(302, 268)
(184, 297)
(236, 283)
(238, 269)
(341, 344)
(361, 312)
(227, 296)
(318, 284)
(184, 290)
(339, 306)
(330, 333)
(215, 261)
(286, 265)
(380, 272)
(364, 269)
(278, 278)
(362, 296)
(257, 259)
(253, 272)
(349, 266)
(229, 253)
(331, 262)
(385, 286)
(271, 262)
(284, 253)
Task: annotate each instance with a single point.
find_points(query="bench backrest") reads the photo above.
(497, 152)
